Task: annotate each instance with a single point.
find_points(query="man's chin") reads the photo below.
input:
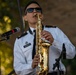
(35, 21)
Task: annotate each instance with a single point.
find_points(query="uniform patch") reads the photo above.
(27, 44)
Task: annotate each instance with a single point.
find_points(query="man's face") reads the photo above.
(31, 12)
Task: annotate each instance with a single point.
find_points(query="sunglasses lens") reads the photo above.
(38, 9)
(30, 10)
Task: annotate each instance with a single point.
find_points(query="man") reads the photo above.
(25, 61)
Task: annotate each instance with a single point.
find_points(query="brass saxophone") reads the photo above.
(42, 48)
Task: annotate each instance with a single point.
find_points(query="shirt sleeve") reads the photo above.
(20, 65)
(61, 38)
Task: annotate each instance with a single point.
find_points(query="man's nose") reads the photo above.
(34, 10)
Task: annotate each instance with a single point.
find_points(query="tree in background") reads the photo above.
(9, 19)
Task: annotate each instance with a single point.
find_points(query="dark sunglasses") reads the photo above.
(30, 10)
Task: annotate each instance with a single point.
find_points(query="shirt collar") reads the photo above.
(31, 30)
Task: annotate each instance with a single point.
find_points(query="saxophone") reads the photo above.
(42, 48)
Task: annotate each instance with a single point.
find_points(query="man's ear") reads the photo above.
(42, 17)
(25, 18)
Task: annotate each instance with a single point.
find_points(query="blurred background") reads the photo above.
(61, 13)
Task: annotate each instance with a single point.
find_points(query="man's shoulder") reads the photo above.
(22, 35)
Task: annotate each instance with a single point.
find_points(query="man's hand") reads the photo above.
(35, 62)
(47, 35)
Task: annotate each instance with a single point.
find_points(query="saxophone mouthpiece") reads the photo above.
(35, 15)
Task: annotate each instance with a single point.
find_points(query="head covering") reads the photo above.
(31, 2)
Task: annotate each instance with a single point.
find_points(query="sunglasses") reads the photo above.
(30, 10)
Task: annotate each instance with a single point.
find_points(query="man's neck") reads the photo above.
(32, 25)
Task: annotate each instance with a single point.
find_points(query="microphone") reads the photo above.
(64, 51)
(6, 34)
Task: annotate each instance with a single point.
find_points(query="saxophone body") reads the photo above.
(42, 48)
